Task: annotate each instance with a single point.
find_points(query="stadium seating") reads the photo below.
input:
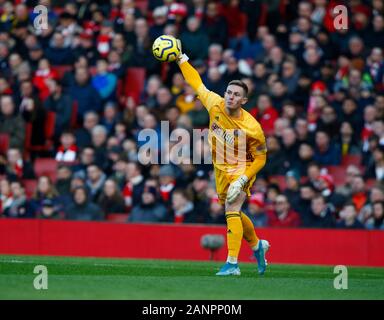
(349, 159)
(46, 166)
(61, 70)
(337, 173)
(4, 142)
(74, 115)
(117, 217)
(134, 83)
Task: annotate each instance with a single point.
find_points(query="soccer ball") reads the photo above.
(166, 48)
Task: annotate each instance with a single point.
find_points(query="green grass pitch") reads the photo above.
(94, 278)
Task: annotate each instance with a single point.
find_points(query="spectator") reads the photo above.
(60, 103)
(82, 208)
(377, 220)
(167, 178)
(359, 194)
(86, 96)
(198, 190)
(160, 17)
(290, 76)
(57, 52)
(265, 113)
(347, 140)
(11, 124)
(142, 54)
(290, 148)
(67, 151)
(302, 131)
(351, 172)
(275, 158)
(306, 154)
(63, 182)
(216, 214)
(99, 136)
(326, 153)
(111, 199)
(50, 211)
(110, 117)
(5, 195)
(328, 122)
(16, 167)
(375, 169)
(86, 47)
(134, 186)
(348, 218)
(321, 214)
(307, 193)
(149, 209)
(33, 112)
(18, 207)
(83, 134)
(182, 207)
(43, 74)
(104, 82)
(95, 181)
(283, 215)
(375, 194)
(45, 190)
(199, 115)
(214, 24)
(195, 42)
(255, 210)
(292, 191)
(351, 114)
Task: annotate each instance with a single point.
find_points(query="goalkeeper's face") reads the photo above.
(234, 97)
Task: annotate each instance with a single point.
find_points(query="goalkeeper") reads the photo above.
(228, 122)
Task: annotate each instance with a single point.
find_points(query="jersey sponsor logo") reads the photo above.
(227, 135)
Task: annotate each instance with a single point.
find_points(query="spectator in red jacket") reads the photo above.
(41, 77)
(265, 113)
(283, 215)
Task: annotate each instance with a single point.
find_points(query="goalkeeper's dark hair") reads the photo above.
(241, 84)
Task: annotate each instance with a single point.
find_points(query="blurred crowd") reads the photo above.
(316, 89)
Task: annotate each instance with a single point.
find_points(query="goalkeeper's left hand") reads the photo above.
(235, 188)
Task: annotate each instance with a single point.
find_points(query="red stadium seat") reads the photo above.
(117, 217)
(61, 70)
(369, 183)
(46, 167)
(74, 115)
(134, 83)
(338, 174)
(142, 5)
(349, 159)
(4, 142)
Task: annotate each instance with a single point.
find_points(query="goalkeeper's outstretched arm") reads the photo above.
(190, 74)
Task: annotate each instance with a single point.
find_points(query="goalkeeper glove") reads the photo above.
(235, 188)
(182, 57)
